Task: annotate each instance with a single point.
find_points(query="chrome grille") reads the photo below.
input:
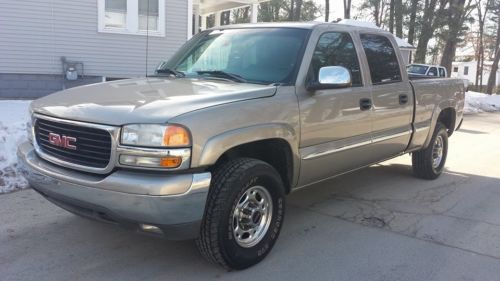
(93, 145)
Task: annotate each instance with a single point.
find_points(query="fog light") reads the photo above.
(153, 162)
(151, 228)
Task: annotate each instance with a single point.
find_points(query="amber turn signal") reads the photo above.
(176, 136)
(171, 162)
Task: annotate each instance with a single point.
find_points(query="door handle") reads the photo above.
(365, 104)
(403, 99)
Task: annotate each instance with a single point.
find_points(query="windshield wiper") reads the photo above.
(170, 71)
(223, 74)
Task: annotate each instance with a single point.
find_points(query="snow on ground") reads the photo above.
(13, 120)
(477, 102)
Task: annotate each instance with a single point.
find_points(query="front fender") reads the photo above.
(219, 144)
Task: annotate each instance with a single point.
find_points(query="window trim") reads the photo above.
(368, 65)
(132, 23)
(355, 51)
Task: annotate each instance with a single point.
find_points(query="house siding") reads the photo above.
(35, 34)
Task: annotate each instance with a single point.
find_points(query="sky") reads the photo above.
(337, 8)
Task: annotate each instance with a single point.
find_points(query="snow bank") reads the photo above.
(477, 102)
(13, 120)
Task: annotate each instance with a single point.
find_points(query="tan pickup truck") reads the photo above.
(209, 147)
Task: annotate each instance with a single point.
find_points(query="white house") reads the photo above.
(49, 45)
(468, 70)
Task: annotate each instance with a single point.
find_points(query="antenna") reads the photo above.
(147, 38)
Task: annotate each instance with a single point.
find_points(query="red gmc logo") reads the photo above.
(62, 141)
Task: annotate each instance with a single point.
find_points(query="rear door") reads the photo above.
(392, 96)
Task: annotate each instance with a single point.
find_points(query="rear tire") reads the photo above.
(244, 213)
(429, 163)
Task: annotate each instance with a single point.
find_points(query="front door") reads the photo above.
(335, 123)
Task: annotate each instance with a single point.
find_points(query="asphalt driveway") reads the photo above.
(379, 223)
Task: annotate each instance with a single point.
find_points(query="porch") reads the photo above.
(212, 13)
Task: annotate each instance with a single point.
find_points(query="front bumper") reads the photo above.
(173, 203)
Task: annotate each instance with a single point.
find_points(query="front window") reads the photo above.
(336, 49)
(417, 69)
(257, 55)
(138, 17)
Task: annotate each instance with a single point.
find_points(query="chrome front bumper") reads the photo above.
(174, 203)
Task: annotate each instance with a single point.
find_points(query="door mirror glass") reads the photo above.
(332, 77)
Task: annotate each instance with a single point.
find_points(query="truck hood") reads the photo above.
(144, 100)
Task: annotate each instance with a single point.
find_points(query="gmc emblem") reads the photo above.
(62, 141)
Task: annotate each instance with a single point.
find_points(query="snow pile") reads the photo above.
(13, 122)
(477, 102)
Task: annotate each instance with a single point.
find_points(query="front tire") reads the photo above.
(244, 213)
(429, 163)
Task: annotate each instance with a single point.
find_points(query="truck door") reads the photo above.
(392, 96)
(335, 123)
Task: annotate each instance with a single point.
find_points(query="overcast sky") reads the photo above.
(337, 8)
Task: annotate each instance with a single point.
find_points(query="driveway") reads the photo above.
(379, 223)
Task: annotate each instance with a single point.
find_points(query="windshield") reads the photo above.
(417, 69)
(257, 55)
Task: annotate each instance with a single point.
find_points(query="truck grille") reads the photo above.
(92, 146)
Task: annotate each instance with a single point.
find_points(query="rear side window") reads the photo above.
(336, 49)
(442, 73)
(382, 59)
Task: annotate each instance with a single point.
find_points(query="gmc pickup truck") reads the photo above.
(209, 147)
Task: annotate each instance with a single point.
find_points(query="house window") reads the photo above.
(139, 17)
(455, 69)
(466, 70)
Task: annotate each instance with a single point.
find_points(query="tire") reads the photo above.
(425, 162)
(232, 182)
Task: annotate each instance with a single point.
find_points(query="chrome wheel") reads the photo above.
(437, 152)
(252, 216)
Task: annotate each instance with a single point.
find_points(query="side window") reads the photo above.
(382, 59)
(442, 72)
(432, 72)
(466, 70)
(335, 49)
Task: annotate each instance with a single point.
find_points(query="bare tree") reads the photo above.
(347, 9)
(398, 17)
(428, 24)
(377, 9)
(391, 16)
(480, 53)
(327, 10)
(413, 17)
(495, 8)
(458, 12)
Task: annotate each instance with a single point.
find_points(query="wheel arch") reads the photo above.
(275, 144)
(445, 113)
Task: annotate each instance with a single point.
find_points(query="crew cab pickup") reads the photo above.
(209, 147)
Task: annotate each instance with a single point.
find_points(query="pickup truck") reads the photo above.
(416, 70)
(209, 147)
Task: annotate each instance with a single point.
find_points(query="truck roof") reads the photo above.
(300, 25)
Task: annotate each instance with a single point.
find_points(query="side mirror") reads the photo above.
(331, 77)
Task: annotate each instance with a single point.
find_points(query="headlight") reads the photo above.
(155, 146)
(152, 135)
